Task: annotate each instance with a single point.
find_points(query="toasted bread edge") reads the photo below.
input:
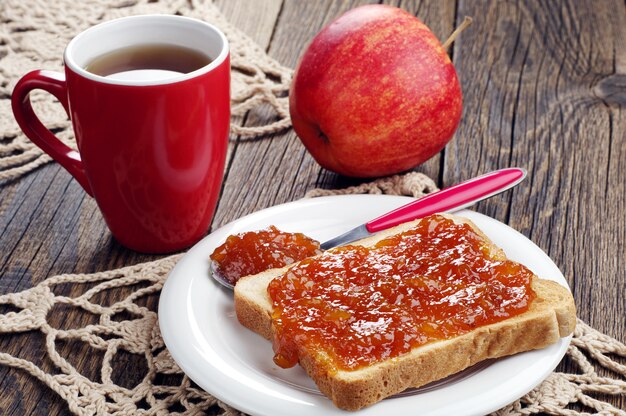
(542, 325)
(552, 315)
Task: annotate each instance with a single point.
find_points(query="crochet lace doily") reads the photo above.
(139, 334)
(33, 36)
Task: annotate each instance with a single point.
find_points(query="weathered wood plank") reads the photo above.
(256, 22)
(530, 75)
(255, 19)
(529, 80)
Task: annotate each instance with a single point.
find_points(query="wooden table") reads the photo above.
(543, 86)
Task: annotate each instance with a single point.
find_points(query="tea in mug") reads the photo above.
(148, 62)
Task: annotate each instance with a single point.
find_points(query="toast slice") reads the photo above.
(550, 316)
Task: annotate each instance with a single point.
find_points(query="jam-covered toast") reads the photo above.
(549, 315)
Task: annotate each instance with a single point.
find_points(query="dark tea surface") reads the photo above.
(148, 62)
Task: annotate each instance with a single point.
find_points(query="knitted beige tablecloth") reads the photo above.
(33, 35)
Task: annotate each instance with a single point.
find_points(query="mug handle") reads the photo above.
(53, 83)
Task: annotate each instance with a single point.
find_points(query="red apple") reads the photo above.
(375, 93)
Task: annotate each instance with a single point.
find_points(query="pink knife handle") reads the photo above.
(458, 196)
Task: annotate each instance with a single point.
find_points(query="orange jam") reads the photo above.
(364, 305)
(257, 251)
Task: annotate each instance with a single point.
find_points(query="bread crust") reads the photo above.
(552, 315)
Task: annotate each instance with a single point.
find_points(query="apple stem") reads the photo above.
(466, 22)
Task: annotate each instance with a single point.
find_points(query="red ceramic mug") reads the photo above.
(151, 151)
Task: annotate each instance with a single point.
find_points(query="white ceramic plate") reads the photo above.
(199, 326)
